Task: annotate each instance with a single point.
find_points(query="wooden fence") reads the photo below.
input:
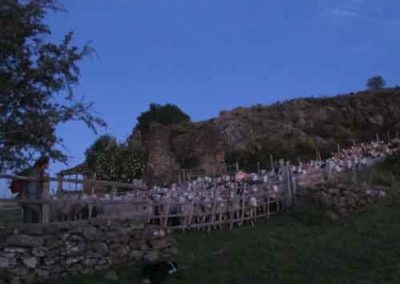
(212, 205)
(225, 207)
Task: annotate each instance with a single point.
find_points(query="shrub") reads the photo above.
(376, 83)
(166, 115)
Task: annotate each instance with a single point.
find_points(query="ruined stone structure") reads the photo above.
(161, 164)
(171, 148)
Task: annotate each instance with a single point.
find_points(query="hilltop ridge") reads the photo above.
(295, 129)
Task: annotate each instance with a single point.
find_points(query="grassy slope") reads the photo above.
(290, 249)
(366, 250)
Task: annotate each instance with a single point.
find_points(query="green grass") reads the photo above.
(293, 248)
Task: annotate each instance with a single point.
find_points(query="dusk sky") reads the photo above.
(212, 55)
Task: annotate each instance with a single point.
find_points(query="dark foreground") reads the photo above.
(295, 248)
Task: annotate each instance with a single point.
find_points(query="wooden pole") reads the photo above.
(237, 166)
(166, 213)
(211, 221)
(289, 187)
(59, 183)
(329, 171)
(268, 205)
(114, 190)
(45, 210)
(189, 221)
(243, 205)
(272, 161)
(93, 185)
(283, 182)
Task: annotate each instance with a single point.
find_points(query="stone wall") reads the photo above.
(191, 146)
(343, 199)
(162, 166)
(35, 251)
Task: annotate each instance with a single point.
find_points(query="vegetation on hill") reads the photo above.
(300, 127)
(376, 83)
(167, 114)
(386, 174)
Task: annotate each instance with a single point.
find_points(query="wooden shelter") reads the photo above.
(78, 172)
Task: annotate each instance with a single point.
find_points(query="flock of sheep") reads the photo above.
(210, 202)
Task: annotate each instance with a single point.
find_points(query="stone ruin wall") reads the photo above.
(168, 145)
(35, 251)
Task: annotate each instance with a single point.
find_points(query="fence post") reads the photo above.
(45, 194)
(329, 170)
(243, 205)
(166, 216)
(76, 182)
(59, 183)
(289, 186)
(114, 190)
(284, 182)
(272, 161)
(213, 209)
(93, 185)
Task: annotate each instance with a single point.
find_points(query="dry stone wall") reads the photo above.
(341, 200)
(35, 251)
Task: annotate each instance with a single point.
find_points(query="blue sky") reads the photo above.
(212, 55)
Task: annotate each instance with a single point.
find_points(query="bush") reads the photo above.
(166, 115)
(376, 83)
(116, 162)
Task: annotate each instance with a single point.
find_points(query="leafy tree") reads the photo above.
(376, 83)
(106, 163)
(164, 114)
(101, 145)
(36, 82)
(116, 162)
(132, 158)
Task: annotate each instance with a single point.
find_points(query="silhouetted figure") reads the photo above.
(34, 190)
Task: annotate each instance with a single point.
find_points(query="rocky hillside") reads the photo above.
(293, 129)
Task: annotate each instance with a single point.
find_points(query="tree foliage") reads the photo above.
(163, 114)
(36, 82)
(116, 162)
(102, 144)
(376, 83)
